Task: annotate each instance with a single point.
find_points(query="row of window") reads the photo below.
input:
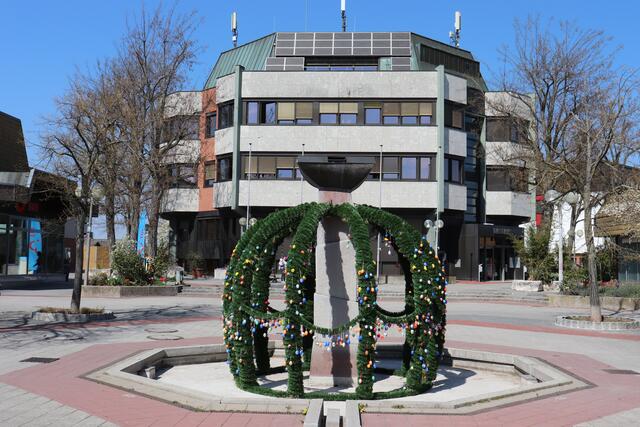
(348, 113)
(394, 168)
(333, 113)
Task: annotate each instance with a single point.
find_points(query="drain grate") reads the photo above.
(40, 359)
(621, 371)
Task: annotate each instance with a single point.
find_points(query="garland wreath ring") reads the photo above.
(245, 311)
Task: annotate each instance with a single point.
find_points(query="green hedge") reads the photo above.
(247, 315)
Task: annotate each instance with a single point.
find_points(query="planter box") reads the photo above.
(220, 273)
(610, 303)
(71, 318)
(527, 285)
(129, 291)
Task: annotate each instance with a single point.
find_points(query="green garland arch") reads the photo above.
(248, 317)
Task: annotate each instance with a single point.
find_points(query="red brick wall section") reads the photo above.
(207, 150)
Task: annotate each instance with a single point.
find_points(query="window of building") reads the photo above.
(390, 168)
(183, 175)
(286, 113)
(209, 173)
(453, 170)
(391, 113)
(181, 128)
(425, 111)
(348, 113)
(409, 168)
(224, 170)
(372, 113)
(252, 113)
(375, 170)
(498, 129)
(285, 167)
(329, 113)
(226, 115)
(304, 113)
(453, 116)
(507, 179)
(269, 113)
(425, 169)
(211, 125)
(409, 112)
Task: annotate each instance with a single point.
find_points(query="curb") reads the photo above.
(622, 325)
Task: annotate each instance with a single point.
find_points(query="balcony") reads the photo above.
(180, 200)
(342, 139)
(509, 203)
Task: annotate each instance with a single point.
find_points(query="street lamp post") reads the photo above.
(380, 207)
(94, 195)
(249, 188)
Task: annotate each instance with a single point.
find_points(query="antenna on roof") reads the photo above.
(343, 9)
(234, 29)
(455, 35)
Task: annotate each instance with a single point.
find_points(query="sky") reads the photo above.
(43, 42)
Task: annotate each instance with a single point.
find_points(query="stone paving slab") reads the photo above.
(18, 407)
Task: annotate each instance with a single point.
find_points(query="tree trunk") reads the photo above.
(77, 279)
(110, 215)
(594, 296)
(571, 239)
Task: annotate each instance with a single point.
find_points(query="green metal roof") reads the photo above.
(252, 56)
(476, 82)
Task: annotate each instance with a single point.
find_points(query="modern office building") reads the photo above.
(31, 225)
(418, 106)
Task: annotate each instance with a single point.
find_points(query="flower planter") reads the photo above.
(527, 285)
(129, 291)
(609, 303)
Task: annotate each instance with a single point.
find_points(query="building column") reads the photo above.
(237, 121)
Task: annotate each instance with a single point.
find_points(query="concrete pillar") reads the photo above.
(335, 299)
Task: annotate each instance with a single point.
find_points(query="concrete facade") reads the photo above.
(452, 187)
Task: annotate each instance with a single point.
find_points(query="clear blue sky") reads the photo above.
(42, 42)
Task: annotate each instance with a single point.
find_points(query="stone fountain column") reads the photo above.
(335, 299)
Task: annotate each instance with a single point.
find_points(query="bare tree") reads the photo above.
(156, 55)
(555, 69)
(583, 119)
(74, 142)
(604, 138)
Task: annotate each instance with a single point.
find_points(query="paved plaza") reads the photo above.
(57, 393)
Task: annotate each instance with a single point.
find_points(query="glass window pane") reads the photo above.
(252, 113)
(409, 109)
(391, 109)
(348, 119)
(409, 120)
(304, 121)
(209, 170)
(286, 162)
(455, 170)
(267, 166)
(349, 107)
(425, 168)
(372, 115)
(328, 118)
(328, 107)
(391, 120)
(409, 167)
(390, 168)
(269, 112)
(286, 111)
(425, 120)
(285, 174)
(304, 110)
